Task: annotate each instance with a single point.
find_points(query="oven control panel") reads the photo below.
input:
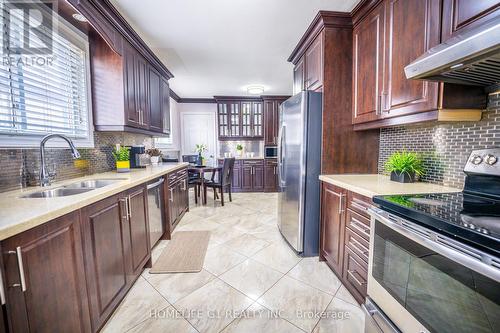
(484, 161)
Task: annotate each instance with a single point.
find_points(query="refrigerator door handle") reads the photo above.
(281, 155)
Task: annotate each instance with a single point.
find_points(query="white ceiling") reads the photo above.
(218, 47)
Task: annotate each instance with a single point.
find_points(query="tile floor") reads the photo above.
(251, 281)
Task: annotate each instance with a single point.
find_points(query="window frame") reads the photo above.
(81, 40)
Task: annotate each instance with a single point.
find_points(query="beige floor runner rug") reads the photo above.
(185, 253)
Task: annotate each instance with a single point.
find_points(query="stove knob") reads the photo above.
(490, 159)
(476, 159)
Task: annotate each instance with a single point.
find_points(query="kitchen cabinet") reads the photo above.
(462, 15)
(298, 76)
(271, 118)
(44, 278)
(252, 176)
(236, 185)
(240, 118)
(270, 175)
(345, 236)
(368, 39)
(128, 93)
(314, 65)
(116, 247)
(389, 37)
(332, 226)
(177, 194)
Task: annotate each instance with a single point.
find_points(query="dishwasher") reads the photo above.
(156, 211)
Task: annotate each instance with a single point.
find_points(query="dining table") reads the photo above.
(201, 170)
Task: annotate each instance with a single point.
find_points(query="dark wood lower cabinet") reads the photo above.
(138, 229)
(55, 293)
(248, 175)
(345, 237)
(270, 175)
(177, 194)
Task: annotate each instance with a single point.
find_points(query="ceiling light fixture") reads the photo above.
(255, 90)
(79, 17)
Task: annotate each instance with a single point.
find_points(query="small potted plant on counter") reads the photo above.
(155, 154)
(404, 167)
(200, 148)
(239, 150)
(122, 158)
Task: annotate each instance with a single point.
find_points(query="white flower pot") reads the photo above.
(155, 159)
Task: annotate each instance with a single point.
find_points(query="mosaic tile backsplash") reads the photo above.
(20, 167)
(445, 146)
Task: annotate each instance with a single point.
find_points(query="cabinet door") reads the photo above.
(165, 105)
(258, 178)
(270, 177)
(412, 28)
(234, 119)
(298, 76)
(332, 226)
(246, 119)
(107, 259)
(142, 90)
(155, 101)
(129, 81)
(55, 298)
(172, 209)
(461, 15)
(236, 185)
(257, 120)
(138, 229)
(269, 123)
(223, 119)
(246, 178)
(368, 62)
(314, 64)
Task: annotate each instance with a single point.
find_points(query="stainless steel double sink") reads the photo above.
(73, 188)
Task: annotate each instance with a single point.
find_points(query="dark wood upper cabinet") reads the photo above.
(389, 37)
(314, 64)
(165, 105)
(155, 101)
(298, 76)
(55, 296)
(368, 64)
(461, 15)
(272, 118)
(107, 256)
(240, 118)
(129, 82)
(402, 96)
(333, 205)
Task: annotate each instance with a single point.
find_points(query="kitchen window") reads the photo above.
(44, 93)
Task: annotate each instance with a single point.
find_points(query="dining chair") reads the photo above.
(191, 159)
(224, 179)
(194, 180)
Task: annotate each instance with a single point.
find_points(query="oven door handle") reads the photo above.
(375, 320)
(463, 254)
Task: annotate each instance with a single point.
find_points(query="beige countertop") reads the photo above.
(20, 214)
(371, 185)
(244, 158)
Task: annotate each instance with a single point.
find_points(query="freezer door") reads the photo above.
(291, 170)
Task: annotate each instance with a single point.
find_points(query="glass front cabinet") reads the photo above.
(240, 119)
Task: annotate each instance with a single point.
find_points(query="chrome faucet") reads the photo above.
(44, 175)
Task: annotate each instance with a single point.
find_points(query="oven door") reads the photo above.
(425, 282)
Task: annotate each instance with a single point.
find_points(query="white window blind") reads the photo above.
(41, 94)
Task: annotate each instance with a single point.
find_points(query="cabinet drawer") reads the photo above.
(271, 162)
(358, 224)
(355, 274)
(359, 203)
(253, 162)
(357, 244)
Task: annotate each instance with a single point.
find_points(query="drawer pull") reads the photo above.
(359, 226)
(20, 265)
(357, 247)
(352, 274)
(171, 194)
(359, 206)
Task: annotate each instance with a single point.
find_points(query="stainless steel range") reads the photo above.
(435, 258)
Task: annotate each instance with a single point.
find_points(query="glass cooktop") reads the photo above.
(473, 219)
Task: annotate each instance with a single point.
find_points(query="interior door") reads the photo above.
(198, 128)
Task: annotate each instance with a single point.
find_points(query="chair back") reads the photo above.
(227, 171)
(192, 159)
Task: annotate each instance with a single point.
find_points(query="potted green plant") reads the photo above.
(239, 149)
(122, 158)
(200, 148)
(404, 167)
(155, 154)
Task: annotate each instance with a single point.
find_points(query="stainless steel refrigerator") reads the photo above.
(299, 165)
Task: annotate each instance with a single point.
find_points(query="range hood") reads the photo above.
(471, 58)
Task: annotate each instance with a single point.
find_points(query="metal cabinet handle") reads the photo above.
(2, 290)
(357, 247)
(124, 200)
(171, 194)
(359, 226)
(20, 265)
(184, 187)
(129, 208)
(158, 183)
(351, 273)
(341, 203)
(358, 206)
